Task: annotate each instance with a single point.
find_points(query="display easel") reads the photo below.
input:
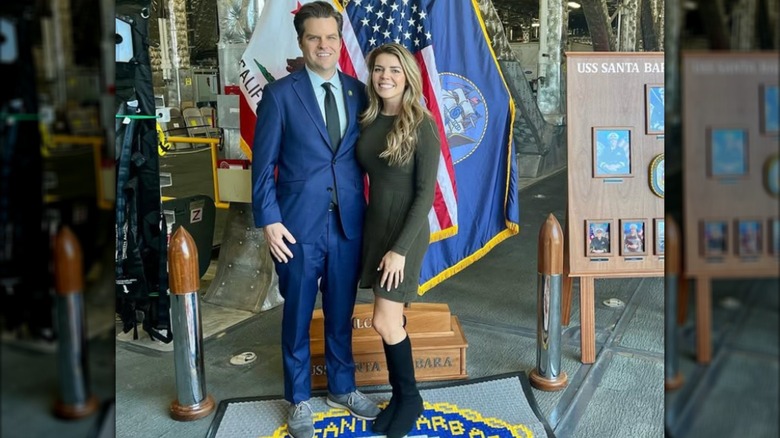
(734, 86)
(612, 96)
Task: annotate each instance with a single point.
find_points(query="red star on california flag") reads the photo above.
(297, 8)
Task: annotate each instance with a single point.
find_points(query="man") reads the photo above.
(312, 210)
(599, 244)
(657, 109)
(633, 240)
(613, 159)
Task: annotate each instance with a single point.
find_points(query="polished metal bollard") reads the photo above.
(192, 400)
(74, 398)
(548, 375)
(673, 265)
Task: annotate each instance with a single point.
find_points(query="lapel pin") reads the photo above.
(349, 92)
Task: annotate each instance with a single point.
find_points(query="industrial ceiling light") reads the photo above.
(573, 5)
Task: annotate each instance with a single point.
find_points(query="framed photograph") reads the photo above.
(654, 109)
(714, 238)
(748, 237)
(632, 237)
(657, 175)
(774, 236)
(727, 154)
(658, 231)
(770, 113)
(598, 240)
(611, 152)
(772, 175)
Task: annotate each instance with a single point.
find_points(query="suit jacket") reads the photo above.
(291, 136)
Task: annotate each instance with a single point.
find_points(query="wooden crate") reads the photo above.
(438, 345)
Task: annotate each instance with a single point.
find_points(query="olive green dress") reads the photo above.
(399, 200)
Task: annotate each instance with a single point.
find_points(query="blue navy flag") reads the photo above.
(470, 101)
(479, 113)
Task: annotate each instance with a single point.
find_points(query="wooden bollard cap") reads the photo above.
(68, 263)
(673, 251)
(183, 263)
(550, 251)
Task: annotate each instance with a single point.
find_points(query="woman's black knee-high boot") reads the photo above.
(382, 421)
(410, 403)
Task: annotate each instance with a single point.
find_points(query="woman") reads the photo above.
(399, 148)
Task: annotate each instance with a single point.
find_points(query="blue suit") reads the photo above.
(291, 141)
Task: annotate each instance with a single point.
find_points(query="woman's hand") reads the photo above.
(392, 265)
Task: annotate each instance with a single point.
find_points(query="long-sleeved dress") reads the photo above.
(399, 200)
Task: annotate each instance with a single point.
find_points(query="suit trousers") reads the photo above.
(334, 260)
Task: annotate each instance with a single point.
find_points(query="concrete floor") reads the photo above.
(491, 304)
(620, 395)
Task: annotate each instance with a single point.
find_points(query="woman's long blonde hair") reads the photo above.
(402, 139)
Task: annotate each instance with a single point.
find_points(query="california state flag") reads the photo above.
(272, 53)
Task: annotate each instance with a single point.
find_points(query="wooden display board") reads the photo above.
(438, 345)
(615, 206)
(731, 225)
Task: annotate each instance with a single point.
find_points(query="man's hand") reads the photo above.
(393, 266)
(275, 235)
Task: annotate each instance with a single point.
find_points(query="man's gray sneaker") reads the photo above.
(356, 403)
(299, 421)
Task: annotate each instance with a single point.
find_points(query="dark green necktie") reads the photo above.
(332, 117)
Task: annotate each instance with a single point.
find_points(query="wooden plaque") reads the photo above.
(614, 135)
(438, 345)
(727, 143)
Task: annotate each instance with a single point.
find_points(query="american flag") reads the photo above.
(371, 23)
(485, 210)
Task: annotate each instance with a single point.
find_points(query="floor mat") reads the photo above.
(497, 406)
